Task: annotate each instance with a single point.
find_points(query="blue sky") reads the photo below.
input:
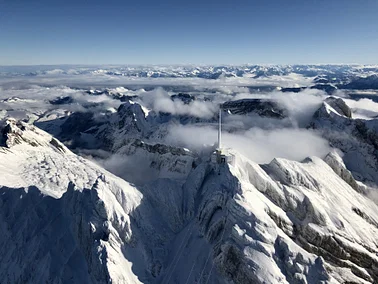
(184, 32)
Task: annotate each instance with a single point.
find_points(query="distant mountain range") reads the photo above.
(325, 73)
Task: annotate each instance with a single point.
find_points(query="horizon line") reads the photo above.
(190, 64)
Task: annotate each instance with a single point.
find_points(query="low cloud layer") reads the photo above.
(257, 144)
(23, 103)
(300, 106)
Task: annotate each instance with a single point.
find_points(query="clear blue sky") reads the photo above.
(182, 32)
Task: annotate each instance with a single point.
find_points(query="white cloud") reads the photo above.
(257, 144)
(36, 100)
(302, 105)
(160, 100)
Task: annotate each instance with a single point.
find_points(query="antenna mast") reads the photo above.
(220, 128)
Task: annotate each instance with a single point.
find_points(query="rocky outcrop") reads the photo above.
(339, 106)
(328, 88)
(265, 108)
(15, 132)
(62, 100)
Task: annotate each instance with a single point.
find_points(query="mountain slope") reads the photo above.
(63, 218)
(278, 223)
(66, 220)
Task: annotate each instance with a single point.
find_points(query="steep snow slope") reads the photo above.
(286, 222)
(63, 219)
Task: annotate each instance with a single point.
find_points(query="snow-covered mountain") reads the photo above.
(331, 73)
(356, 138)
(65, 219)
(103, 182)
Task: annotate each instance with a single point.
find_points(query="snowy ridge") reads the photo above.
(277, 223)
(63, 211)
(294, 204)
(356, 138)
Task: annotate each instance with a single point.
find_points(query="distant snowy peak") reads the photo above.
(363, 83)
(16, 100)
(335, 74)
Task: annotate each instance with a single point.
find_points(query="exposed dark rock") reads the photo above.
(266, 108)
(12, 134)
(156, 148)
(62, 100)
(328, 88)
(76, 123)
(185, 98)
(57, 145)
(340, 106)
(366, 217)
(292, 90)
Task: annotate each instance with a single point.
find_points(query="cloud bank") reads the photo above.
(259, 145)
(160, 101)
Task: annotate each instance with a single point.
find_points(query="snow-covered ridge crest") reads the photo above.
(14, 132)
(290, 220)
(356, 138)
(75, 238)
(31, 156)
